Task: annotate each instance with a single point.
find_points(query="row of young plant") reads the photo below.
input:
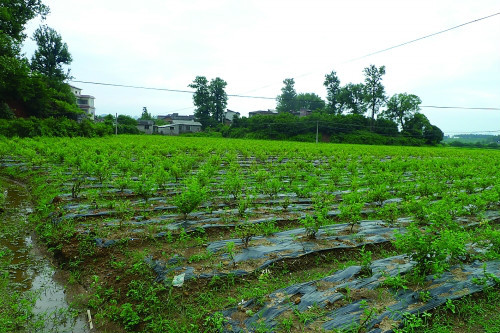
(444, 192)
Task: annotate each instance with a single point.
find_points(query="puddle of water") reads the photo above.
(32, 272)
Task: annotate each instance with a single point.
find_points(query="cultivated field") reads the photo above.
(172, 234)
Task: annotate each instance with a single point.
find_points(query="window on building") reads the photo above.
(188, 128)
(82, 101)
(146, 126)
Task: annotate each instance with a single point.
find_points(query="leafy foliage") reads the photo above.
(51, 55)
(287, 100)
(374, 91)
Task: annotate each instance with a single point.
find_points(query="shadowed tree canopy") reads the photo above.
(219, 98)
(310, 101)
(201, 100)
(374, 92)
(401, 108)
(286, 102)
(419, 126)
(332, 84)
(145, 115)
(210, 100)
(52, 54)
(351, 99)
(14, 14)
(125, 120)
(37, 90)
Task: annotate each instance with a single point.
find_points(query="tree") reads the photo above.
(433, 135)
(374, 92)
(123, 120)
(51, 55)
(402, 107)
(420, 127)
(14, 14)
(351, 99)
(310, 101)
(14, 68)
(332, 84)
(202, 100)
(286, 102)
(127, 124)
(35, 89)
(218, 98)
(145, 115)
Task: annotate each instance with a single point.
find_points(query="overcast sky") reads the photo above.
(255, 44)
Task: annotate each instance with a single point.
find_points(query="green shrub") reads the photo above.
(128, 316)
(190, 198)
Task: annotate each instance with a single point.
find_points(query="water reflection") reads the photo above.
(31, 272)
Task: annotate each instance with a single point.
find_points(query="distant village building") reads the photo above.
(84, 102)
(303, 113)
(169, 118)
(175, 128)
(179, 127)
(229, 116)
(267, 112)
(146, 126)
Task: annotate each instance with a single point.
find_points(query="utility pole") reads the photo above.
(317, 122)
(116, 124)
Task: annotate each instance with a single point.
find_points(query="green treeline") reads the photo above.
(33, 87)
(352, 113)
(36, 101)
(350, 128)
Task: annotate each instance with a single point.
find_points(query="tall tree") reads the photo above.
(286, 102)
(14, 14)
(218, 98)
(351, 99)
(310, 101)
(332, 84)
(202, 100)
(402, 107)
(145, 115)
(374, 94)
(14, 69)
(419, 127)
(52, 54)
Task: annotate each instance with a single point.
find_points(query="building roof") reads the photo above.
(185, 122)
(145, 122)
(176, 116)
(263, 112)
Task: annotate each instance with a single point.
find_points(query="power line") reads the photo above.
(398, 45)
(421, 38)
(354, 59)
(256, 97)
(163, 89)
(133, 87)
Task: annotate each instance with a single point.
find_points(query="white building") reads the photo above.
(146, 126)
(229, 115)
(179, 127)
(84, 102)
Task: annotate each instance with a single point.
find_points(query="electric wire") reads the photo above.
(423, 37)
(257, 97)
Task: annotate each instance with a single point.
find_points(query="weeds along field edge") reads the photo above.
(210, 235)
